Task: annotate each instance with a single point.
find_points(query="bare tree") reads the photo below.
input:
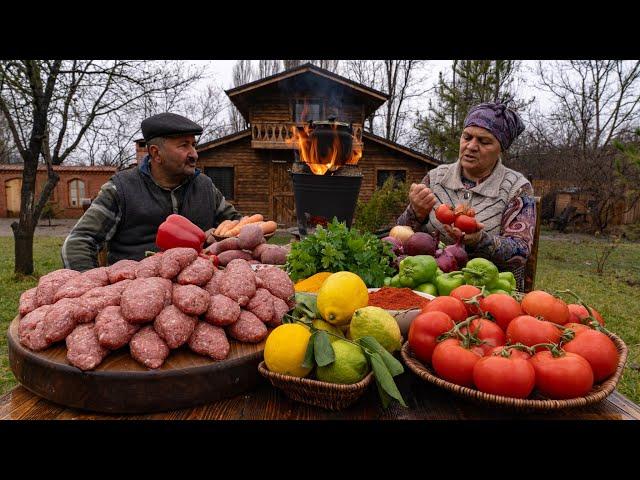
(49, 106)
(289, 64)
(267, 68)
(331, 65)
(7, 148)
(242, 73)
(596, 102)
(369, 73)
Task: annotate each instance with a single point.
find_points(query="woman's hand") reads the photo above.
(421, 200)
(467, 238)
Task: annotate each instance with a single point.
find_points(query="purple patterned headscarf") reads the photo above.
(500, 120)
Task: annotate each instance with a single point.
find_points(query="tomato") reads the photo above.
(454, 363)
(470, 212)
(514, 352)
(597, 349)
(545, 305)
(567, 376)
(466, 223)
(488, 332)
(578, 312)
(465, 292)
(449, 305)
(503, 308)
(445, 214)
(423, 332)
(508, 376)
(530, 331)
(576, 327)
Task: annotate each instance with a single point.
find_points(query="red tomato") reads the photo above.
(470, 212)
(530, 331)
(598, 349)
(488, 332)
(454, 363)
(511, 377)
(545, 305)
(567, 376)
(576, 327)
(424, 331)
(450, 305)
(513, 352)
(465, 292)
(445, 214)
(578, 312)
(503, 308)
(466, 223)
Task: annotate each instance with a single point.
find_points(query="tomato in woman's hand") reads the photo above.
(531, 331)
(466, 223)
(509, 376)
(450, 305)
(597, 349)
(454, 363)
(539, 303)
(578, 312)
(487, 331)
(465, 292)
(566, 376)
(445, 215)
(424, 331)
(503, 308)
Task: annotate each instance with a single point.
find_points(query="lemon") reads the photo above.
(377, 323)
(322, 325)
(285, 348)
(340, 295)
(350, 365)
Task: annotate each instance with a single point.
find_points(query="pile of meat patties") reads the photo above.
(160, 303)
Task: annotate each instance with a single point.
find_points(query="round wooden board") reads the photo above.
(121, 385)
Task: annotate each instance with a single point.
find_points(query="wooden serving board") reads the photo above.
(121, 385)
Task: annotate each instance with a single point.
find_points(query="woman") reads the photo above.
(502, 198)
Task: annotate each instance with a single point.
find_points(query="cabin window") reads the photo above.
(398, 175)
(76, 193)
(307, 110)
(223, 178)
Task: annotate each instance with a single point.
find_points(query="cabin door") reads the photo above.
(282, 202)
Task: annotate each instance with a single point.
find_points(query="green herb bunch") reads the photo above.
(320, 352)
(337, 249)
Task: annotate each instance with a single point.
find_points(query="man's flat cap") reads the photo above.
(168, 125)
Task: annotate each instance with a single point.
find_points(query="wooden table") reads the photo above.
(425, 401)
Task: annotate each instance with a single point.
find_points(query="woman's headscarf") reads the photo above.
(500, 120)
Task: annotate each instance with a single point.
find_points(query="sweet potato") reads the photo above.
(273, 255)
(225, 257)
(250, 237)
(259, 249)
(224, 245)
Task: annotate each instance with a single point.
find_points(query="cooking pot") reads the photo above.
(322, 134)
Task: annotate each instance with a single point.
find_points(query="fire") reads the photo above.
(310, 153)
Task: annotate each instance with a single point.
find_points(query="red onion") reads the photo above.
(447, 262)
(458, 252)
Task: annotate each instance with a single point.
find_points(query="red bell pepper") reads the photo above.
(178, 231)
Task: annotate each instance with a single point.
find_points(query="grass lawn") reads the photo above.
(562, 264)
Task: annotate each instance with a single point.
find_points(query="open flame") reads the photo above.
(320, 164)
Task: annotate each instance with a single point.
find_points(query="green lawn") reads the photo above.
(562, 264)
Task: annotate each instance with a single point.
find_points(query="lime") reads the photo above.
(350, 365)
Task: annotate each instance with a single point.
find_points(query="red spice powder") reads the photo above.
(391, 298)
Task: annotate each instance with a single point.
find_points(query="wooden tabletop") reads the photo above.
(425, 402)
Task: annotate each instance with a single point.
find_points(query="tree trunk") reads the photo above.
(23, 238)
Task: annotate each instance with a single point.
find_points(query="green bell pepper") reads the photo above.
(506, 281)
(438, 272)
(446, 282)
(395, 281)
(417, 270)
(428, 287)
(498, 290)
(480, 272)
(387, 281)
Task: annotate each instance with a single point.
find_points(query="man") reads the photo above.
(129, 208)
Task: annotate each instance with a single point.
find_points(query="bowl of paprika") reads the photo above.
(402, 303)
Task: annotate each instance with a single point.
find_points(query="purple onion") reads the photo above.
(420, 243)
(458, 252)
(395, 244)
(447, 262)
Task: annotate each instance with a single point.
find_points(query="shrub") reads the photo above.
(384, 206)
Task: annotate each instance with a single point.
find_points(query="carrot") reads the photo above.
(250, 219)
(229, 226)
(233, 232)
(268, 227)
(221, 226)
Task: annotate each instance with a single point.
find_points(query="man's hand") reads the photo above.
(421, 200)
(467, 238)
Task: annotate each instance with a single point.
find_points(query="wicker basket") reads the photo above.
(332, 396)
(536, 402)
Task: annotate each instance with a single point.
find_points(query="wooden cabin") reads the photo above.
(251, 167)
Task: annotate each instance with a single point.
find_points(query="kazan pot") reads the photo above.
(323, 133)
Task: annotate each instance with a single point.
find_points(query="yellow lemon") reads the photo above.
(377, 323)
(322, 325)
(285, 348)
(340, 295)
